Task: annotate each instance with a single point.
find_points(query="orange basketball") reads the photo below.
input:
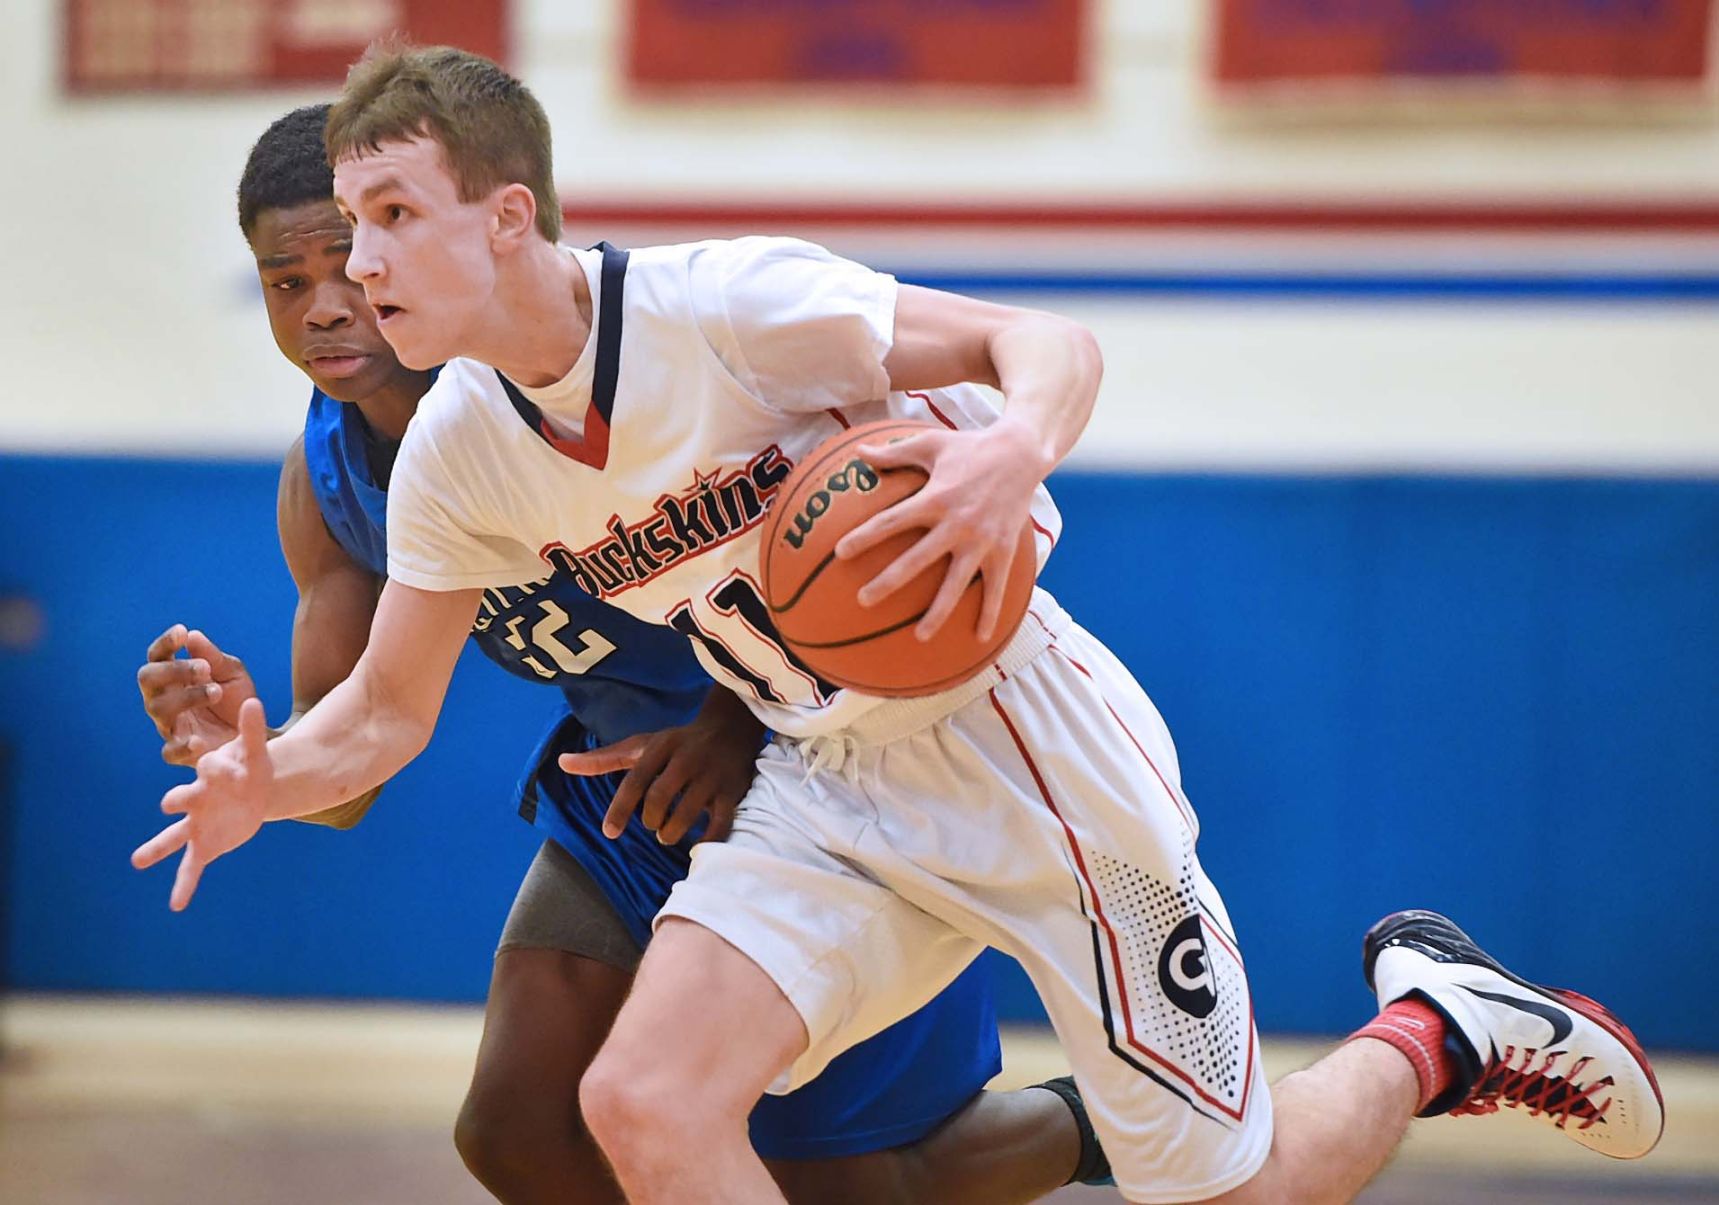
(813, 596)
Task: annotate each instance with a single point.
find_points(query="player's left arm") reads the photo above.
(981, 482)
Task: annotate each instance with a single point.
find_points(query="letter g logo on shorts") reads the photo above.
(1185, 972)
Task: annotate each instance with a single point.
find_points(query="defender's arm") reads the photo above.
(336, 603)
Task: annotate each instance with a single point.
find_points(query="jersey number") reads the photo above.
(739, 597)
(544, 638)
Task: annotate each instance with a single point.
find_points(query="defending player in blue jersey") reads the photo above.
(899, 1118)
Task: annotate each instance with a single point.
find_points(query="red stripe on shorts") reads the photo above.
(1175, 795)
(1110, 931)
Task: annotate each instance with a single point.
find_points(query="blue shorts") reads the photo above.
(890, 1090)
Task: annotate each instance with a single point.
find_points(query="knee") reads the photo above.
(625, 1105)
(490, 1143)
(481, 1140)
(515, 1146)
(639, 1110)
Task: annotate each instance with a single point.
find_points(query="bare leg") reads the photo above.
(1003, 1148)
(703, 1034)
(1337, 1124)
(519, 1130)
(522, 1137)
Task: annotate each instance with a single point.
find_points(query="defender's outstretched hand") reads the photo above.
(195, 700)
(978, 497)
(222, 809)
(680, 774)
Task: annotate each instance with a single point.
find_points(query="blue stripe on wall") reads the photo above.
(1625, 288)
(1420, 287)
(1493, 697)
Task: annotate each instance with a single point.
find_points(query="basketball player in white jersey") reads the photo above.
(627, 419)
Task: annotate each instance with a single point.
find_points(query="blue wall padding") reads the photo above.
(1498, 697)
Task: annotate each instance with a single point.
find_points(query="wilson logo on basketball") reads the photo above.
(855, 475)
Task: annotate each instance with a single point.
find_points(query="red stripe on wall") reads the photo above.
(1669, 216)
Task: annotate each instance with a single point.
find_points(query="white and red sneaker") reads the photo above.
(1557, 1054)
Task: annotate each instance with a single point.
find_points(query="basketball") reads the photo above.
(813, 595)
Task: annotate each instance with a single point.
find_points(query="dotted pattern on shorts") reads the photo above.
(1211, 1052)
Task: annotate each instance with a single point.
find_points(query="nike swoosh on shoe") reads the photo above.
(1557, 1018)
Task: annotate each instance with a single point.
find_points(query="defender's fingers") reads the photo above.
(223, 665)
(185, 882)
(175, 701)
(694, 802)
(663, 791)
(180, 753)
(632, 788)
(669, 782)
(622, 806)
(166, 645)
(955, 582)
(606, 759)
(154, 677)
(168, 840)
(721, 824)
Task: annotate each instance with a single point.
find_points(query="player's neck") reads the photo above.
(535, 335)
(390, 408)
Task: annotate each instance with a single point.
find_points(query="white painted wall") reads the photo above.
(127, 323)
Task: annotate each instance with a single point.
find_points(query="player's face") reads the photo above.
(422, 254)
(320, 319)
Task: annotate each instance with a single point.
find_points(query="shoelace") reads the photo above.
(1537, 1089)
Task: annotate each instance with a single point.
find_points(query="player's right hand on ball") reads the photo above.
(222, 809)
(193, 700)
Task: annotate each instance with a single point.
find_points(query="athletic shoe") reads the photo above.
(1557, 1054)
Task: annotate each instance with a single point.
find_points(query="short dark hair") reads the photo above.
(287, 166)
(490, 127)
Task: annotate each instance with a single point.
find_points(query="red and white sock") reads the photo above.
(1418, 1031)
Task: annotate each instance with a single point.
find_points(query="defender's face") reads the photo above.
(422, 254)
(320, 319)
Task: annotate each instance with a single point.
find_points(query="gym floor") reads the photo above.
(117, 1101)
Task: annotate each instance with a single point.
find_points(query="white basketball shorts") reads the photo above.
(1044, 816)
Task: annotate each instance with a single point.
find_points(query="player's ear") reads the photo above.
(515, 215)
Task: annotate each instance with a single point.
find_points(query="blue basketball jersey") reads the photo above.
(617, 675)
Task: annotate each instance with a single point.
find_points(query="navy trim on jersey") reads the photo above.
(608, 370)
(592, 447)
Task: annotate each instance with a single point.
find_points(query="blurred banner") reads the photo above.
(1016, 44)
(1372, 48)
(199, 45)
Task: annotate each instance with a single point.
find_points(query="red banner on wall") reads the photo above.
(197, 45)
(1622, 42)
(984, 43)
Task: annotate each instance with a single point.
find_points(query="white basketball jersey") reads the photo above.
(711, 370)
